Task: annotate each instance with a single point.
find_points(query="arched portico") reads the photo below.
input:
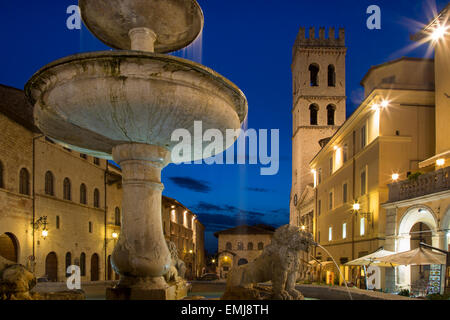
(413, 216)
(445, 226)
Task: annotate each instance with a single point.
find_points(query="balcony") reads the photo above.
(425, 184)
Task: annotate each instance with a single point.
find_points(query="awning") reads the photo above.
(416, 257)
(372, 259)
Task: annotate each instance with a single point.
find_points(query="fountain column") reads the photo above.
(141, 255)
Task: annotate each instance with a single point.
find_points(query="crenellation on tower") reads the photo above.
(324, 40)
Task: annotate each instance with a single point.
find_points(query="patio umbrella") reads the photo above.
(416, 257)
(372, 259)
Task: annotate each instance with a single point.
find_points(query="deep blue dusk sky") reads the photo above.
(249, 42)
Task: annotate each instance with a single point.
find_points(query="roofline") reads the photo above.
(373, 68)
(424, 32)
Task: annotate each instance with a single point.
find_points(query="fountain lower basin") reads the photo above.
(95, 101)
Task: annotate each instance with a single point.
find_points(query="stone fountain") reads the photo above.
(124, 105)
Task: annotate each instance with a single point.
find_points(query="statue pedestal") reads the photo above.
(173, 291)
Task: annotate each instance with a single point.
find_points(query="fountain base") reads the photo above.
(151, 289)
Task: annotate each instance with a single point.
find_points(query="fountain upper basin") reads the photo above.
(96, 101)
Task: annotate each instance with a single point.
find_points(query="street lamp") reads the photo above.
(395, 177)
(41, 222)
(115, 235)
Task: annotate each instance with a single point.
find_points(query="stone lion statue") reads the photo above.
(16, 281)
(177, 269)
(279, 263)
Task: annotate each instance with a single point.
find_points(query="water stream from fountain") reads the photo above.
(340, 273)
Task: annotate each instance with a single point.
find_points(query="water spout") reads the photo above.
(340, 273)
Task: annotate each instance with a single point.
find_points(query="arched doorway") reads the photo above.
(418, 224)
(51, 267)
(95, 267)
(9, 247)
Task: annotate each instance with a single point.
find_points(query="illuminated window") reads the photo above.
(362, 226)
(173, 216)
(344, 231)
(330, 233)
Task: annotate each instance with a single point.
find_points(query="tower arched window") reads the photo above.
(314, 75)
(1, 175)
(83, 194)
(117, 217)
(250, 246)
(313, 114)
(67, 193)
(260, 246)
(229, 246)
(331, 76)
(240, 246)
(24, 182)
(96, 198)
(331, 110)
(49, 183)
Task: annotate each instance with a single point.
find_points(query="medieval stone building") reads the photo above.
(59, 207)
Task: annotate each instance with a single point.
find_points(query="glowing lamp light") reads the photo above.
(190, 251)
(213, 260)
(115, 235)
(384, 103)
(356, 206)
(375, 106)
(225, 258)
(44, 233)
(440, 162)
(303, 228)
(395, 176)
(439, 33)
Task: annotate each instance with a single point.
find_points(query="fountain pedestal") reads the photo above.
(141, 255)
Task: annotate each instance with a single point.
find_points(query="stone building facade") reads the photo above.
(418, 209)
(319, 104)
(73, 199)
(357, 164)
(382, 180)
(241, 245)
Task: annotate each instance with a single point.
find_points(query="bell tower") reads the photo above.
(319, 101)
